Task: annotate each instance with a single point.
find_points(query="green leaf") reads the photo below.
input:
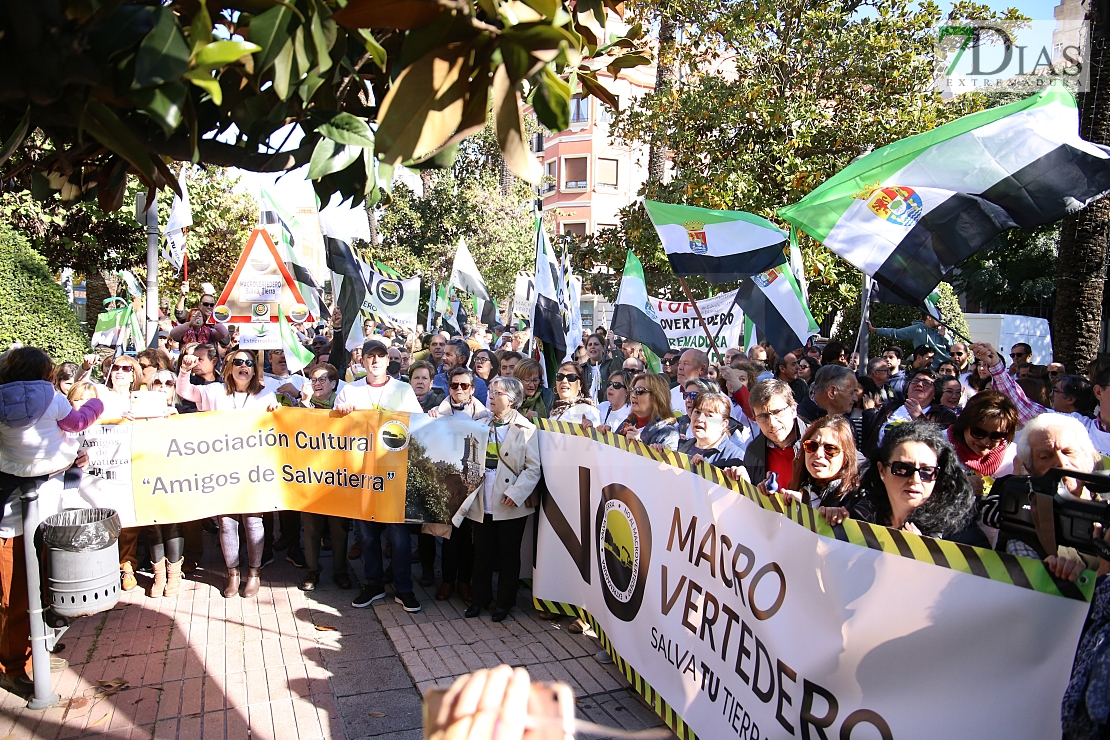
(594, 87)
(509, 126)
(543, 41)
(323, 36)
(17, 136)
(164, 104)
(626, 62)
(203, 79)
(200, 31)
(163, 54)
(310, 85)
(348, 129)
(373, 48)
(591, 18)
(218, 54)
(109, 130)
(329, 157)
(300, 54)
(551, 101)
(424, 106)
(283, 70)
(270, 30)
(546, 8)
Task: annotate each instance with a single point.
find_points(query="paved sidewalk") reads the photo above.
(291, 665)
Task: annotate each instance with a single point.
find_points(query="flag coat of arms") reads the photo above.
(909, 212)
(721, 246)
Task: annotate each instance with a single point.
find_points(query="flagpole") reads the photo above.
(697, 311)
(863, 343)
(959, 335)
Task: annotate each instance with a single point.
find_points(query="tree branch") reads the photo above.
(225, 155)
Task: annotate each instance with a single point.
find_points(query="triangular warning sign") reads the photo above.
(258, 285)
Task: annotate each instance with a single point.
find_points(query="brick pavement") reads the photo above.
(293, 665)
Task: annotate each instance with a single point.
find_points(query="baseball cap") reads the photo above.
(374, 345)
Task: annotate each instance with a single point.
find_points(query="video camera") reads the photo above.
(1032, 509)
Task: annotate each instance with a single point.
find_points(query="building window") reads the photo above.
(574, 173)
(575, 229)
(579, 109)
(550, 171)
(537, 143)
(605, 113)
(607, 173)
(1057, 51)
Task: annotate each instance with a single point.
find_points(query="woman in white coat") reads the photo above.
(499, 512)
(243, 388)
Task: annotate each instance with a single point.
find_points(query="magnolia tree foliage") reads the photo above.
(775, 98)
(95, 90)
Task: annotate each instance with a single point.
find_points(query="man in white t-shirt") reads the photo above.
(693, 363)
(379, 391)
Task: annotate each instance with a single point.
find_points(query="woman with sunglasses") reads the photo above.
(242, 388)
(651, 421)
(571, 403)
(485, 365)
(692, 389)
(827, 468)
(983, 437)
(537, 399)
(615, 408)
(807, 369)
(460, 397)
(916, 485)
(164, 381)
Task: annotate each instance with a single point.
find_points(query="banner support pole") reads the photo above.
(697, 311)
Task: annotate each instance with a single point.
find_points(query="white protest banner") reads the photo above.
(748, 623)
(106, 480)
(524, 296)
(391, 300)
(684, 331)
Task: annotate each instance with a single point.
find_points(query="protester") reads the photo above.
(379, 391)
(669, 363)
(961, 357)
(420, 378)
(691, 390)
(928, 333)
(537, 399)
(460, 398)
(893, 356)
(151, 361)
(979, 379)
(457, 354)
(616, 407)
(65, 375)
(123, 378)
(484, 363)
(500, 510)
(919, 404)
(572, 404)
(320, 390)
(949, 392)
(197, 328)
(693, 363)
(1020, 354)
(710, 440)
(834, 353)
(780, 431)
(828, 467)
(652, 421)
(916, 485)
(834, 392)
(242, 388)
(786, 370)
(879, 372)
(922, 357)
(508, 362)
(164, 381)
(946, 368)
(205, 372)
(807, 371)
(983, 437)
(597, 369)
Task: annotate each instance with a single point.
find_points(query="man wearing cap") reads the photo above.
(379, 391)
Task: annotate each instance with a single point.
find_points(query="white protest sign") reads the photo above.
(680, 321)
(391, 299)
(749, 624)
(524, 296)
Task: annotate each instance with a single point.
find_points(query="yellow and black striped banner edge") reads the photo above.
(654, 700)
(990, 564)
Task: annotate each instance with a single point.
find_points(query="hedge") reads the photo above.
(888, 315)
(33, 307)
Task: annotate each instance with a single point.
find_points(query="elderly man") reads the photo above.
(786, 370)
(693, 363)
(633, 365)
(774, 448)
(835, 390)
(457, 354)
(878, 369)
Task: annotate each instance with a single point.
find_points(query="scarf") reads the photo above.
(534, 403)
(322, 403)
(561, 406)
(985, 465)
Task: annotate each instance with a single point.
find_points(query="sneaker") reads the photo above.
(267, 558)
(296, 557)
(367, 596)
(408, 601)
(603, 657)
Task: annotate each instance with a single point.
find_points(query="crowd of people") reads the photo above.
(912, 443)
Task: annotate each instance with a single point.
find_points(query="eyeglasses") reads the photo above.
(617, 386)
(690, 395)
(479, 358)
(159, 383)
(569, 377)
(239, 362)
(811, 446)
(122, 369)
(928, 473)
(1015, 355)
(957, 354)
(320, 379)
(921, 382)
(639, 390)
(761, 418)
(979, 433)
(208, 305)
(669, 361)
(460, 386)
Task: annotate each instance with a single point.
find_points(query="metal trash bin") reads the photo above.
(82, 561)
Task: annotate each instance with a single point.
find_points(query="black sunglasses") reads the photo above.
(690, 395)
(569, 377)
(239, 362)
(978, 433)
(928, 473)
(207, 305)
(460, 386)
(668, 360)
(617, 386)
